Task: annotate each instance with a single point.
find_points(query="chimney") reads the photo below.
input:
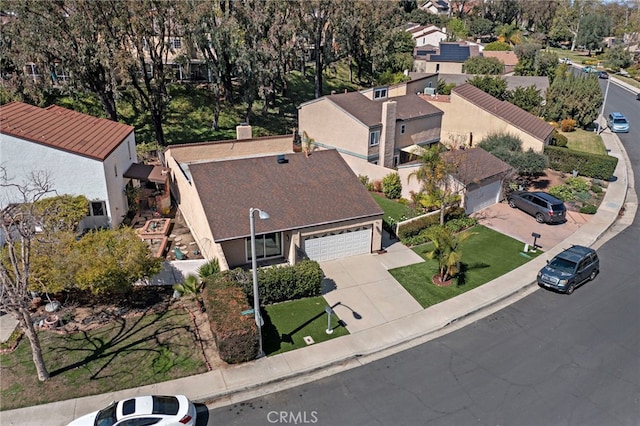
(388, 134)
(243, 131)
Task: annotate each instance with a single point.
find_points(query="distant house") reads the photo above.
(427, 35)
(81, 154)
(436, 7)
(447, 57)
(513, 81)
(508, 58)
(372, 126)
(471, 114)
(317, 206)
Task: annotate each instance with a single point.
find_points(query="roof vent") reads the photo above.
(282, 159)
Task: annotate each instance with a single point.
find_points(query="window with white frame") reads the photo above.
(97, 208)
(374, 138)
(267, 246)
(176, 43)
(380, 93)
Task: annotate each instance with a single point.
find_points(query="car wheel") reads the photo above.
(593, 275)
(570, 289)
(539, 218)
(512, 203)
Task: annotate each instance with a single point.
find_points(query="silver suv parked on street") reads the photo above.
(544, 207)
(569, 269)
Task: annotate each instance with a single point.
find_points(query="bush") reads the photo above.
(376, 186)
(596, 189)
(559, 139)
(408, 231)
(568, 125)
(588, 209)
(562, 192)
(461, 223)
(236, 335)
(210, 268)
(577, 184)
(591, 165)
(392, 186)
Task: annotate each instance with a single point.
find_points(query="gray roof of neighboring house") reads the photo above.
(513, 81)
(508, 112)
(473, 165)
(369, 112)
(304, 192)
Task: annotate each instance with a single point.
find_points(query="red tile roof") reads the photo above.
(507, 111)
(63, 129)
(304, 192)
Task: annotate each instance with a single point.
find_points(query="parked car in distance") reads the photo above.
(564, 60)
(544, 207)
(603, 74)
(588, 69)
(617, 122)
(143, 410)
(569, 269)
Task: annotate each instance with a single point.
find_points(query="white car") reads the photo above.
(142, 411)
(564, 61)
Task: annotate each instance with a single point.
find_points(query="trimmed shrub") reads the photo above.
(461, 223)
(376, 185)
(559, 139)
(392, 186)
(577, 184)
(588, 209)
(568, 125)
(414, 228)
(236, 335)
(562, 192)
(210, 268)
(596, 189)
(590, 165)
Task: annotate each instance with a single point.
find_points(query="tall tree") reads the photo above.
(18, 225)
(496, 86)
(316, 17)
(593, 29)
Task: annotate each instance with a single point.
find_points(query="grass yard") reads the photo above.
(585, 141)
(485, 256)
(123, 354)
(287, 323)
(392, 209)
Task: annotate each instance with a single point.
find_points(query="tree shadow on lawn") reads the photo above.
(97, 347)
(461, 277)
(273, 339)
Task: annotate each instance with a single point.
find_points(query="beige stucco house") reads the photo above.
(318, 208)
(446, 57)
(471, 114)
(372, 126)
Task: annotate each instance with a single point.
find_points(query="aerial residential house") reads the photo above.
(436, 7)
(508, 58)
(447, 57)
(373, 127)
(427, 35)
(317, 206)
(471, 114)
(81, 154)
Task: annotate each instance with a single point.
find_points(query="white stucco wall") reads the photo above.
(69, 173)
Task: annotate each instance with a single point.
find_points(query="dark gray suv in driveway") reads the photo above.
(569, 269)
(544, 207)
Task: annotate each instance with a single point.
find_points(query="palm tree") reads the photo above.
(446, 250)
(191, 288)
(308, 144)
(510, 33)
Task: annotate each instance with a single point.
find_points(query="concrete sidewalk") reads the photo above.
(396, 330)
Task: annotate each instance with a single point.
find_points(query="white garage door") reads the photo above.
(334, 246)
(483, 196)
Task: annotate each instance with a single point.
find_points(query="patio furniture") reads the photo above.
(179, 254)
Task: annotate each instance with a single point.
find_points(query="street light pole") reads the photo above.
(254, 268)
(604, 102)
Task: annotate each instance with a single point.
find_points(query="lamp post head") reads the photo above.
(263, 215)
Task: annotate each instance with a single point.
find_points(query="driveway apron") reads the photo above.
(363, 293)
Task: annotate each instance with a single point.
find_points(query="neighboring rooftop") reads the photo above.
(513, 81)
(63, 129)
(297, 194)
(473, 165)
(508, 112)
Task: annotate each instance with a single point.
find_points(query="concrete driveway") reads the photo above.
(519, 225)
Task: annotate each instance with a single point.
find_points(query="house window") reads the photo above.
(97, 208)
(267, 246)
(176, 43)
(115, 169)
(396, 160)
(374, 138)
(380, 93)
(402, 129)
(437, 67)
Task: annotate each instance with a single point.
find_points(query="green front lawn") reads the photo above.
(286, 324)
(585, 141)
(485, 256)
(124, 353)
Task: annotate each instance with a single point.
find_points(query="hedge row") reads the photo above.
(413, 228)
(288, 282)
(591, 165)
(236, 335)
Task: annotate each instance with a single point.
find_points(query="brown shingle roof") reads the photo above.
(473, 165)
(508, 112)
(304, 192)
(370, 112)
(506, 57)
(63, 129)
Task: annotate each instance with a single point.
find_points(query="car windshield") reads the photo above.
(563, 265)
(620, 120)
(107, 416)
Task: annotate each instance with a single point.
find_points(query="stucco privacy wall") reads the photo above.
(462, 119)
(71, 173)
(192, 211)
(323, 117)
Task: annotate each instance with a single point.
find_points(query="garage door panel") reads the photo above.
(329, 247)
(483, 196)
